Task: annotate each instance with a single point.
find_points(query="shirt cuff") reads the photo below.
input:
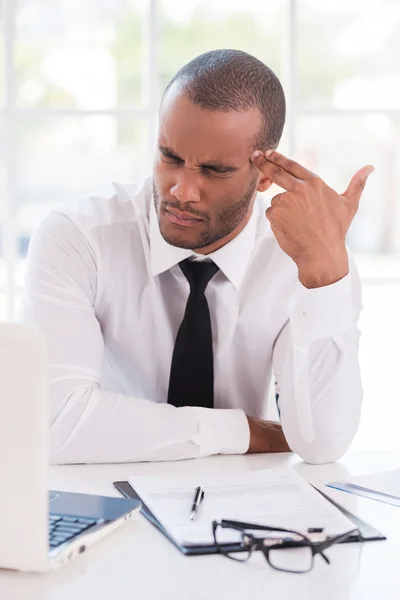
(321, 312)
(221, 431)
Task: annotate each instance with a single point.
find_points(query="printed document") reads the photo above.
(273, 497)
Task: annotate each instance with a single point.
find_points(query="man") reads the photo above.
(168, 305)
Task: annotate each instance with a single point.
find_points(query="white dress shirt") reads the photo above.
(107, 291)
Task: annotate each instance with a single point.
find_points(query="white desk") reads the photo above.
(138, 562)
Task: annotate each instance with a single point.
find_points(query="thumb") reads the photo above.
(357, 185)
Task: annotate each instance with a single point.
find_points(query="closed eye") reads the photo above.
(171, 157)
(207, 169)
(213, 172)
(219, 170)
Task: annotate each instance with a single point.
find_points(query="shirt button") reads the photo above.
(300, 313)
(300, 382)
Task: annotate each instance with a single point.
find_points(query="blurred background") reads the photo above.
(80, 84)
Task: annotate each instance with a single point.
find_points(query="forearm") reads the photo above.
(322, 422)
(96, 426)
(317, 370)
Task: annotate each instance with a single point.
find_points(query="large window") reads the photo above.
(80, 84)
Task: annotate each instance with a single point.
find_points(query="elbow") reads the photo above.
(56, 454)
(321, 454)
(67, 429)
(59, 450)
(328, 446)
(55, 459)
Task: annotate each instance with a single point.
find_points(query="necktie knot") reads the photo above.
(198, 274)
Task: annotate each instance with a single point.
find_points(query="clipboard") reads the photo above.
(367, 532)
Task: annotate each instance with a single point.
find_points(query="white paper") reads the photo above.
(387, 482)
(273, 497)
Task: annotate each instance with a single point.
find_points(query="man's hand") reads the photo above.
(310, 220)
(266, 436)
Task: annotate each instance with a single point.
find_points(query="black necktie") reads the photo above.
(191, 381)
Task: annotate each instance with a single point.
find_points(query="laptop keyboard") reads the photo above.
(63, 528)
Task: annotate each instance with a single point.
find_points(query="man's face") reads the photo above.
(203, 182)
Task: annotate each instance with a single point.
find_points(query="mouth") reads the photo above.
(183, 219)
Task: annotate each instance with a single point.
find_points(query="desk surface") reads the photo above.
(136, 561)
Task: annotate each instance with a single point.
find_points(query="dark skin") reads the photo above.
(206, 177)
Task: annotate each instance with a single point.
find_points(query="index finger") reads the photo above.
(274, 172)
(291, 166)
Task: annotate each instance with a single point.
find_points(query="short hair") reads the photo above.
(231, 80)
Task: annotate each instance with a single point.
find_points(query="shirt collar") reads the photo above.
(232, 259)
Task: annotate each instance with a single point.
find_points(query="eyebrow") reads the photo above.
(211, 164)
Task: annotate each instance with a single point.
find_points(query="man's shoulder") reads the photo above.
(128, 203)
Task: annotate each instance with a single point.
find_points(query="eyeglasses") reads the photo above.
(284, 549)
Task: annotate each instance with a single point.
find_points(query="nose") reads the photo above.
(185, 188)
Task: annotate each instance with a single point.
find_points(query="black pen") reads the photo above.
(197, 500)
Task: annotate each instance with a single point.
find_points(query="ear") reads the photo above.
(264, 183)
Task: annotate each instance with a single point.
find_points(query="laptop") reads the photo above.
(40, 530)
